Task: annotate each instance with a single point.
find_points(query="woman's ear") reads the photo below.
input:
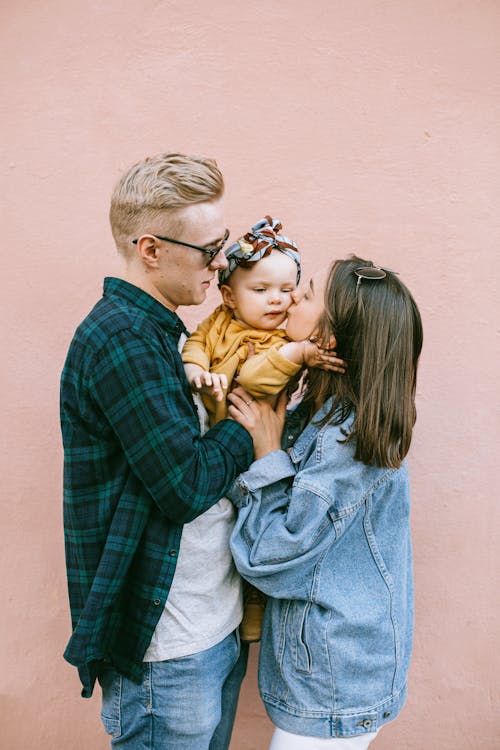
(227, 296)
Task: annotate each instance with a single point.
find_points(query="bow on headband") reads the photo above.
(260, 241)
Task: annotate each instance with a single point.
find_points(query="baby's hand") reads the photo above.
(316, 354)
(206, 382)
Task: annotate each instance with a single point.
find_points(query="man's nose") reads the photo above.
(219, 261)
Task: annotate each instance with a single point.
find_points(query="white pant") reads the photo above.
(285, 741)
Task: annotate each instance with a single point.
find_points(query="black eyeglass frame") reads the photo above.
(371, 273)
(211, 252)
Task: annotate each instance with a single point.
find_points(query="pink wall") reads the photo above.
(365, 126)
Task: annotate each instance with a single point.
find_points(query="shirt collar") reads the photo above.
(168, 319)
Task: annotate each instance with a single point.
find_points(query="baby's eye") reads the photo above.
(287, 291)
(259, 289)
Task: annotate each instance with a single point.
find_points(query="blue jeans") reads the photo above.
(181, 704)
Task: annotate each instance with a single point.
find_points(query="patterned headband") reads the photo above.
(260, 241)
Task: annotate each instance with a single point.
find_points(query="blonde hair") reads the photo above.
(164, 182)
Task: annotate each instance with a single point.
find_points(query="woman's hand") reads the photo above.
(264, 424)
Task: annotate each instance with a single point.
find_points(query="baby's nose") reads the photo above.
(276, 297)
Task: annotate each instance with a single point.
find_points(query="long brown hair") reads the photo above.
(378, 330)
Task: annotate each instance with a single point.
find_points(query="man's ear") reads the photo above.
(227, 296)
(148, 250)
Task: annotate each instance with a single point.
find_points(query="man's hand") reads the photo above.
(209, 383)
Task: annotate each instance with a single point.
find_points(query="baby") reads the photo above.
(243, 338)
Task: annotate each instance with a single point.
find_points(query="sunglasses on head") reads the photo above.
(371, 273)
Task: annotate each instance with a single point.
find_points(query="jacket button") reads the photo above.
(157, 602)
(387, 714)
(172, 553)
(367, 723)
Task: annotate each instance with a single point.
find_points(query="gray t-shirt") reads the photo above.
(205, 602)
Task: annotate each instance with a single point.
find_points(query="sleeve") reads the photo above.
(283, 526)
(196, 350)
(138, 386)
(267, 373)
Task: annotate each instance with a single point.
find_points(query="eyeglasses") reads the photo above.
(371, 273)
(210, 251)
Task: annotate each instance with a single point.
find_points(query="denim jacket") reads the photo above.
(328, 540)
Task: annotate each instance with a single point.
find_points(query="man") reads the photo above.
(154, 596)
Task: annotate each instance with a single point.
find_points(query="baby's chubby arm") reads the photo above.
(268, 372)
(196, 360)
(314, 353)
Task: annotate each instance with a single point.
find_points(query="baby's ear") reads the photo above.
(227, 296)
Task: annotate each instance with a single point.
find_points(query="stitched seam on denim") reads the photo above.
(317, 572)
(315, 490)
(389, 583)
(312, 487)
(119, 695)
(281, 647)
(349, 714)
(314, 590)
(302, 645)
(149, 686)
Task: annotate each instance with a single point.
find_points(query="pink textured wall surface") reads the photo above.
(365, 126)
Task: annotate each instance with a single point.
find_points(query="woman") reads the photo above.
(323, 527)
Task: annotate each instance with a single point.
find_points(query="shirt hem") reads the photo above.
(198, 646)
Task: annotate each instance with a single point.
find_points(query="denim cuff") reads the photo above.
(265, 471)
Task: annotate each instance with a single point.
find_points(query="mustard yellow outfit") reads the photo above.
(220, 345)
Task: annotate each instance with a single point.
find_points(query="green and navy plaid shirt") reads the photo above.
(136, 469)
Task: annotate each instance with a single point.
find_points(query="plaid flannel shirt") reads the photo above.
(135, 470)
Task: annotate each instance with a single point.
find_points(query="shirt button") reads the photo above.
(367, 723)
(172, 553)
(157, 602)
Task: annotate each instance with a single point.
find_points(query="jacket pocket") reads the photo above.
(303, 660)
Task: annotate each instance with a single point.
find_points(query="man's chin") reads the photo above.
(200, 298)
